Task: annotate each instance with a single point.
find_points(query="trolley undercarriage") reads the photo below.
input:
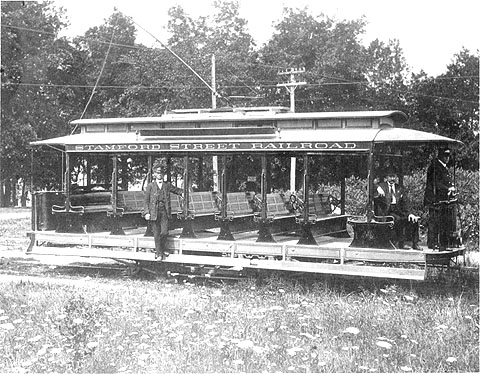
(331, 255)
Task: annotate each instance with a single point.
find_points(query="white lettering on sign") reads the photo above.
(213, 146)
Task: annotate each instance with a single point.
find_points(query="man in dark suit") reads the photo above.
(439, 190)
(157, 209)
(391, 200)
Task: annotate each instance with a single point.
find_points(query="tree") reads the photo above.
(106, 46)
(387, 74)
(329, 50)
(28, 33)
(448, 105)
(159, 80)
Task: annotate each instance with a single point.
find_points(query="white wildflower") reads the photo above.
(307, 335)
(245, 344)
(42, 351)
(258, 350)
(352, 330)
(276, 308)
(384, 344)
(7, 326)
(293, 351)
(35, 339)
(56, 351)
(92, 345)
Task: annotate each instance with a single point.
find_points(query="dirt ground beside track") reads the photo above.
(17, 266)
(14, 213)
(15, 263)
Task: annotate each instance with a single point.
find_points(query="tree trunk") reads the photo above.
(8, 193)
(2, 195)
(23, 199)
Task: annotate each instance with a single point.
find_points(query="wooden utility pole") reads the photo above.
(2, 196)
(214, 89)
(292, 85)
(216, 181)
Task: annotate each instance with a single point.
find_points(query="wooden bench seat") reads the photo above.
(202, 204)
(98, 208)
(176, 203)
(92, 202)
(131, 201)
(238, 205)
(91, 198)
(321, 204)
(277, 208)
(321, 217)
(128, 202)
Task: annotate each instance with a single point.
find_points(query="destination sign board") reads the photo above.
(220, 147)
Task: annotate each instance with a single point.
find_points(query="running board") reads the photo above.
(290, 265)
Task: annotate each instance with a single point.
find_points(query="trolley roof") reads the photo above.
(254, 129)
(244, 114)
(220, 140)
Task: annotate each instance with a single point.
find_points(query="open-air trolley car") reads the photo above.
(263, 188)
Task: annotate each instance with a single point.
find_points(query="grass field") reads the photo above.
(112, 324)
(274, 325)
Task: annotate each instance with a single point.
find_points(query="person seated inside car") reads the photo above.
(391, 200)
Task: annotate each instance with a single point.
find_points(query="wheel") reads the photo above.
(133, 269)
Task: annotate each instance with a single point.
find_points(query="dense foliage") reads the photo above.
(467, 185)
(48, 81)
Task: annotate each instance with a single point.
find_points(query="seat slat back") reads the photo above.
(203, 203)
(131, 201)
(238, 203)
(276, 205)
(175, 203)
(91, 198)
(321, 204)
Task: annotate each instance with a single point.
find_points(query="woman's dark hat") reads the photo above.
(390, 171)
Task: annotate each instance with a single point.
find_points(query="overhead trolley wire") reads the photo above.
(273, 85)
(213, 90)
(98, 79)
(80, 37)
(313, 85)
